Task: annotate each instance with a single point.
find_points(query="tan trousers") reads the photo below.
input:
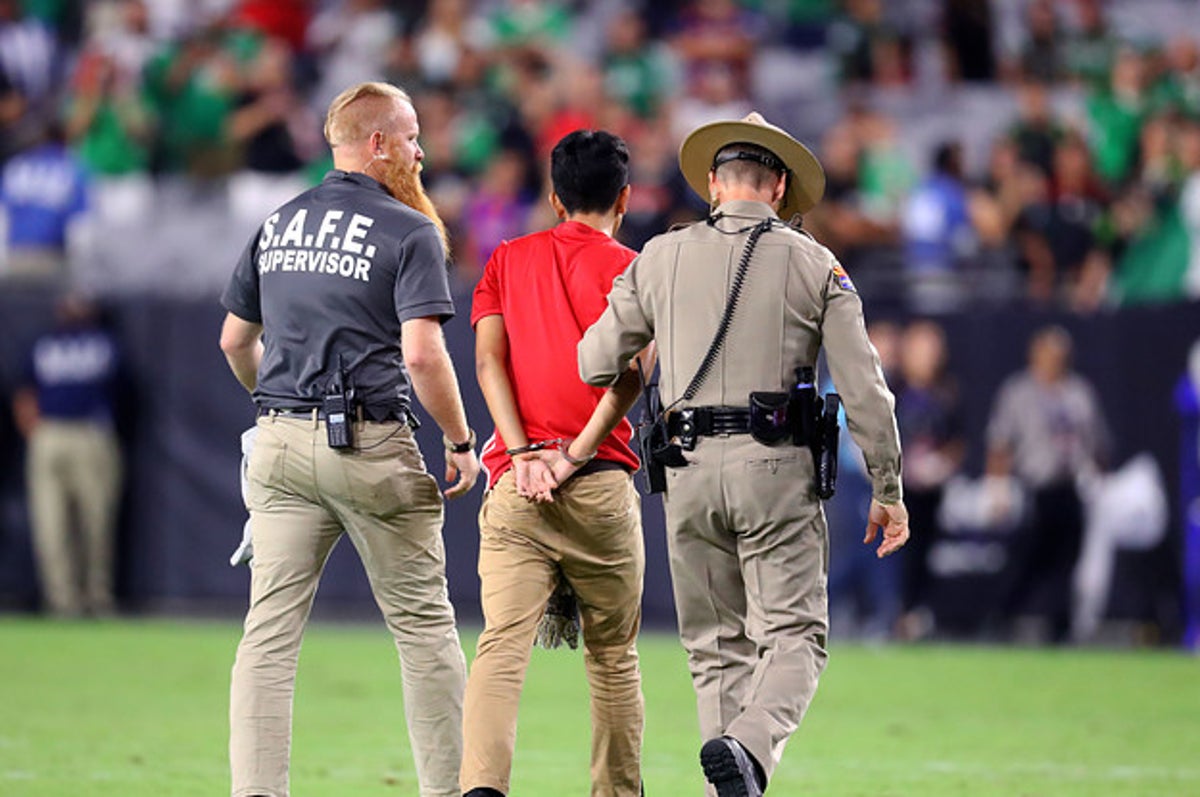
(302, 496)
(74, 477)
(749, 563)
(592, 532)
(36, 264)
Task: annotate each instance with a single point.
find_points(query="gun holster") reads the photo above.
(658, 453)
(825, 447)
(805, 420)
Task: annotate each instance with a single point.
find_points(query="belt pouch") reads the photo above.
(769, 417)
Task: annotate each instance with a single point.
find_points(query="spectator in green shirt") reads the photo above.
(1089, 52)
(193, 85)
(108, 118)
(1115, 117)
(639, 73)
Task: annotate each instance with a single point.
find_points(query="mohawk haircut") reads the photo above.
(355, 113)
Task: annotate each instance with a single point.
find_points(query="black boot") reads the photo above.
(731, 769)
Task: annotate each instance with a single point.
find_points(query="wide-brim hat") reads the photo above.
(806, 181)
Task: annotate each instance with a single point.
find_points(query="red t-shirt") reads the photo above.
(550, 287)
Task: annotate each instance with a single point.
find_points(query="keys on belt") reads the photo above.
(693, 422)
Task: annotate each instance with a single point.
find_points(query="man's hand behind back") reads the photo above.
(535, 481)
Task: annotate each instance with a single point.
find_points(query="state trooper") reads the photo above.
(746, 532)
(335, 319)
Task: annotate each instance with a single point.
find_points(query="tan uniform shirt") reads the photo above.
(792, 303)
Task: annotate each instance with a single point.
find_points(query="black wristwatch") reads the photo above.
(460, 448)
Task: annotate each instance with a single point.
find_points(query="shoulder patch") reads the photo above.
(842, 277)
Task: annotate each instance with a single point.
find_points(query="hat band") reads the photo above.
(770, 161)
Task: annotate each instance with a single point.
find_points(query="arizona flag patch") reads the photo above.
(842, 277)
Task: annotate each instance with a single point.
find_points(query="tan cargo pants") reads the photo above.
(302, 496)
(749, 563)
(74, 475)
(593, 533)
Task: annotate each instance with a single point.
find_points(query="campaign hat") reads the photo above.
(806, 178)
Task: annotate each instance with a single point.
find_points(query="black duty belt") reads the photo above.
(692, 422)
(378, 413)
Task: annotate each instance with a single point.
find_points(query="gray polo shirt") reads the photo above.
(1053, 431)
(333, 274)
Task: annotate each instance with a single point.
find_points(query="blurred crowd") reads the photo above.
(1019, 531)
(977, 151)
(1082, 191)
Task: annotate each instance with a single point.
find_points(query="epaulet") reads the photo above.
(680, 225)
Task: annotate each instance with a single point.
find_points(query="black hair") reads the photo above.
(748, 163)
(947, 159)
(588, 169)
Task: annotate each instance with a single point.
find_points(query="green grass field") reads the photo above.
(139, 708)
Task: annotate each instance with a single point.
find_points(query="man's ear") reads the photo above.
(780, 189)
(560, 209)
(622, 204)
(712, 187)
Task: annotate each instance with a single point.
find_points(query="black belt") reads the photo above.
(598, 466)
(378, 413)
(692, 422)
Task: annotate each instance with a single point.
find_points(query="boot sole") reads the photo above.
(721, 769)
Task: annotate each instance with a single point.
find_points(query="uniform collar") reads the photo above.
(576, 229)
(358, 178)
(746, 208)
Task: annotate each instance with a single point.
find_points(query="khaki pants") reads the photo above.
(749, 563)
(302, 496)
(74, 478)
(36, 264)
(592, 532)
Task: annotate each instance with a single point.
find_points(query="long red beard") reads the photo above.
(404, 184)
